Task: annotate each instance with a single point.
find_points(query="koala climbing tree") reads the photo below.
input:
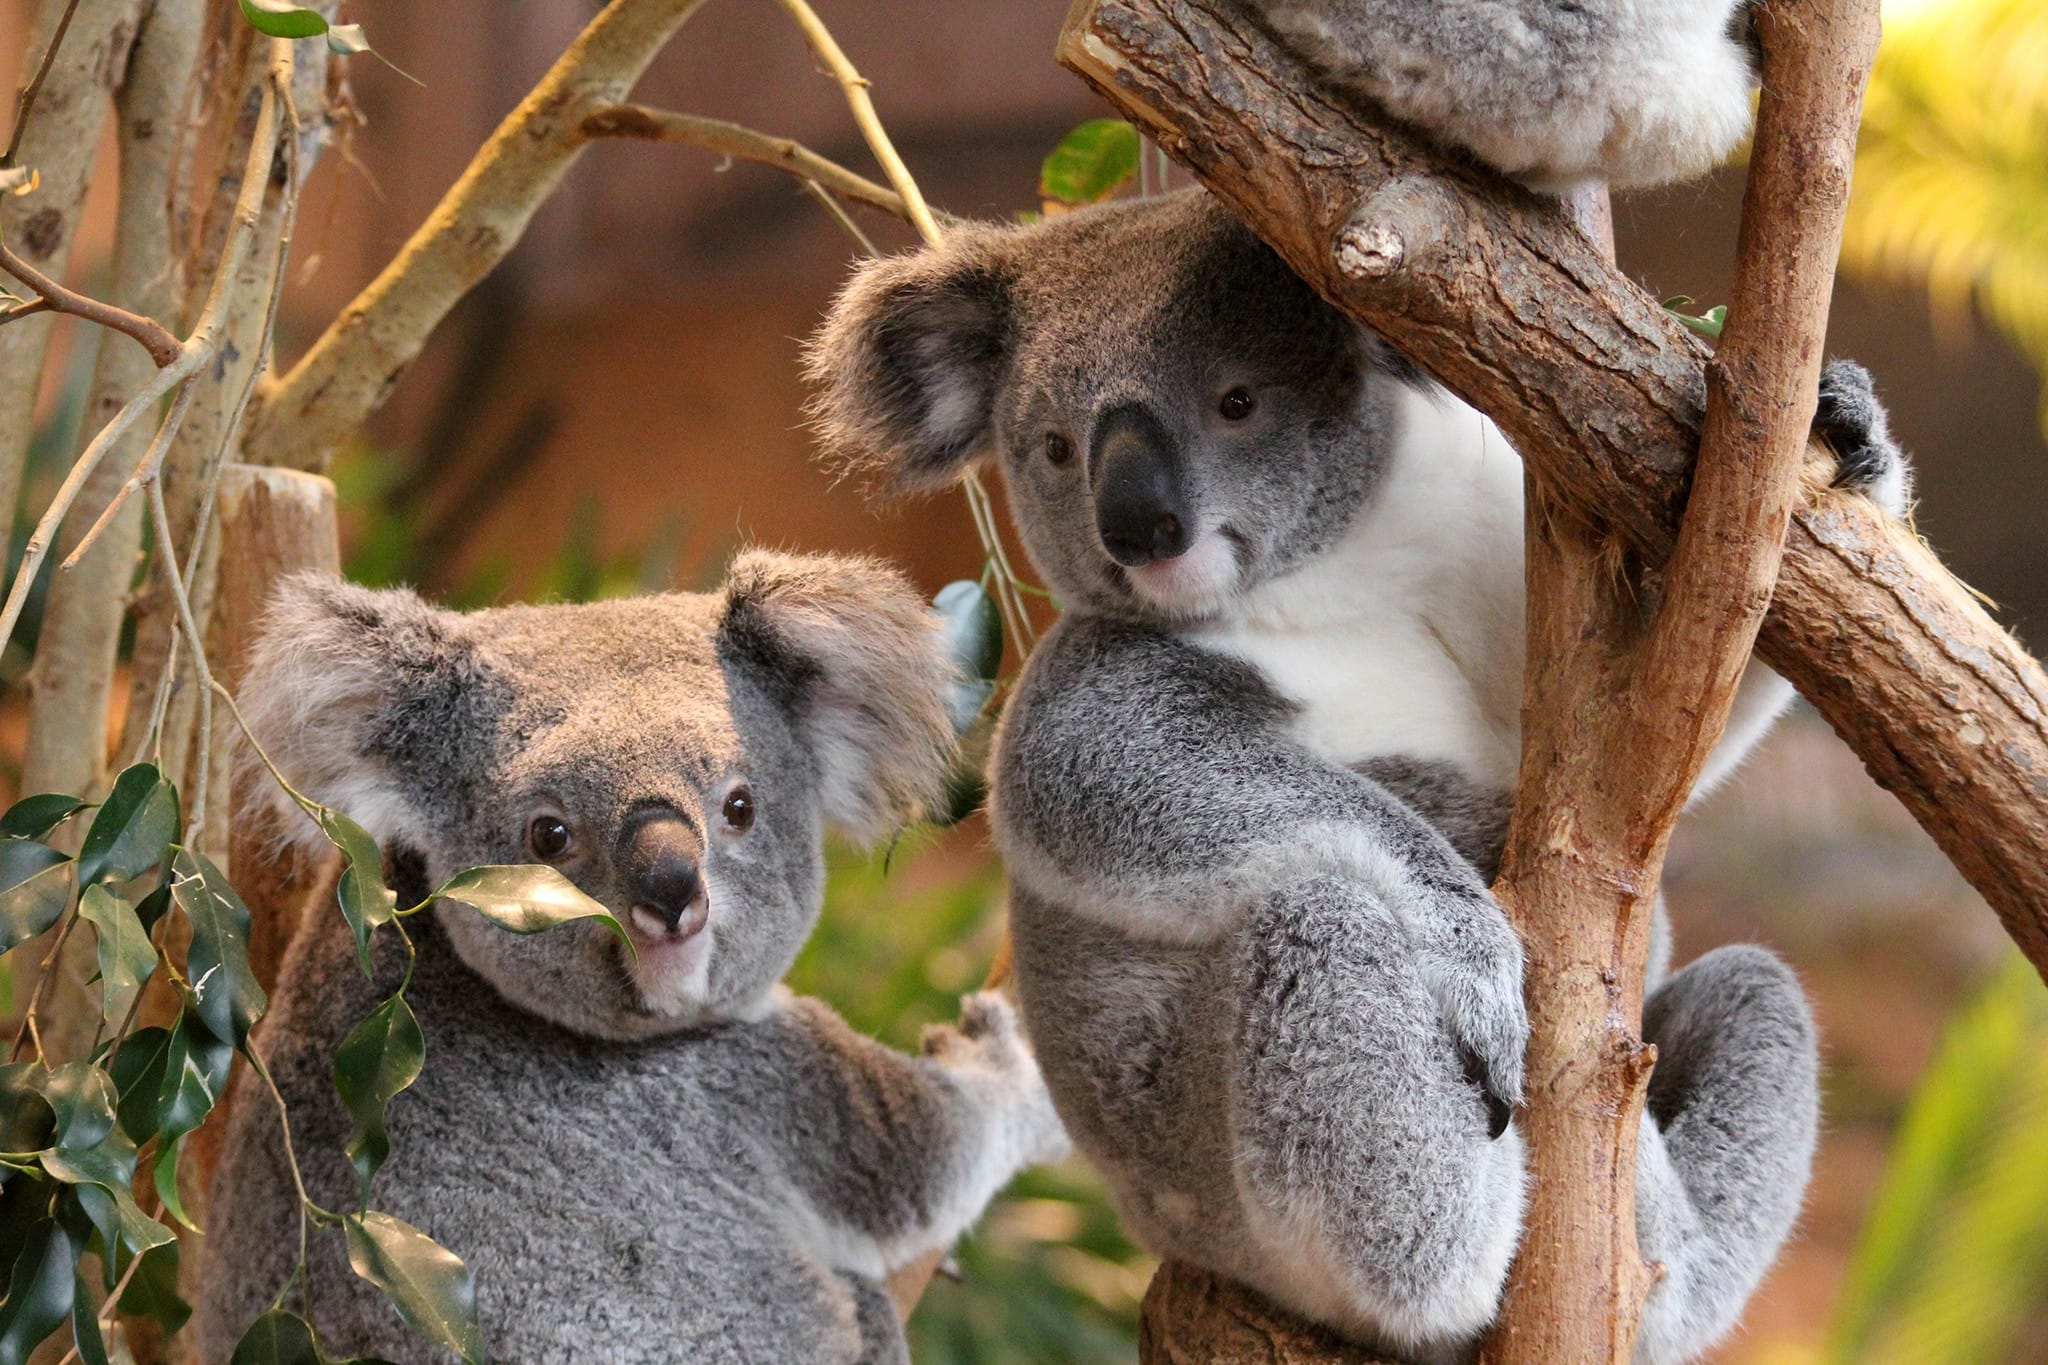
(1452, 266)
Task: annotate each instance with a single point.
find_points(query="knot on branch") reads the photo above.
(1394, 228)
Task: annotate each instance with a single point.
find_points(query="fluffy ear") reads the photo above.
(908, 360)
(354, 693)
(854, 654)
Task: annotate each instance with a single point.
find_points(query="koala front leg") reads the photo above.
(901, 1153)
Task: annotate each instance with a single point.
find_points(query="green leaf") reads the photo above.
(279, 1338)
(39, 1290)
(346, 40)
(35, 886)
(82, 1098)
(136, 824)
(1090, 162)
(126, 956)
(27, 1119)
(974, 640)
(34, 816)
(380, 1057)
(525, 899)
(279, 19)
(366, 902)
(153, 1289)
(110, 1203)
(224, 989)
(85, 1324)
(138, 1072)
(427, 1283)
(195, 1072)
(1707, 324)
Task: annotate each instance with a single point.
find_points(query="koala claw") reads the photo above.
(986, 1032)
(1851, 420)
(1499, 1110)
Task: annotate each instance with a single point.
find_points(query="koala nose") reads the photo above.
(1141, 514)
(663, 881)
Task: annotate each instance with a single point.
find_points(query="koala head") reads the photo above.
(1177, 417)
(677, 757)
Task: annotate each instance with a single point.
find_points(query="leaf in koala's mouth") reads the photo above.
(527, 899)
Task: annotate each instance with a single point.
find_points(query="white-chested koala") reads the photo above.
(1635, 92)
(658, 1157)
(1252, 787)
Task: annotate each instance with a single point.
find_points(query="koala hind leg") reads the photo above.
(881, 1331)
(1364, 1155)
(1727, 1144)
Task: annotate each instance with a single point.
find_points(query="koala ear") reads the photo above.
(349, 690)
(849, 648)
(908, 360)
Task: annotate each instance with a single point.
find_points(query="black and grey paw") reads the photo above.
(1852, 422)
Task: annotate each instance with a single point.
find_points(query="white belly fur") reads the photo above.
(1405, 638)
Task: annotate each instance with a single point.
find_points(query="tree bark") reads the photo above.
(1494, 292)
(1191, 1317)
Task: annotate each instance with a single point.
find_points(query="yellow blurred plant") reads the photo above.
(1952, 166)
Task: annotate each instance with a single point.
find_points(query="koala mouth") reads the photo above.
(672, 967)
(1192, 581)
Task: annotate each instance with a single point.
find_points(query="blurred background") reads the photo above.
(619, 406)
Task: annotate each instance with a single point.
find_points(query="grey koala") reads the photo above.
(1252, 787)
(1636, 92)
(655, 1158)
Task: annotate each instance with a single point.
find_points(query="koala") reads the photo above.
(1252, 787)
(642, 1157)
(1634, 92)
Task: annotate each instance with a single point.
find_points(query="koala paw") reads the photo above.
(1479, 988)
(1852, 421)
(988, 1039)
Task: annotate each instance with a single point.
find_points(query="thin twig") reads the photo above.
(25, 310)
(153, 336)
(27, 102)
(840, 216)
(736, 140)
(856, 88)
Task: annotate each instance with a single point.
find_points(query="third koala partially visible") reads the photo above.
(1251, 789)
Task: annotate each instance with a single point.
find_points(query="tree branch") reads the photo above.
(732, 139)
(303, 418)
(1495, 293)
(151, 335)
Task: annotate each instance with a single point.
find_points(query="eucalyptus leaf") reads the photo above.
(111, 1206)
(1090, 163)
(224, 989)
(39, 1289)
(974, 640)
(346, 40)
(526, 899)
(280, 19)
(35, 886)
(366, 902)
(85, 1324)
(126, 956)
(82, 1097)
(136, 823)
(427, 1283)
(380, 1057)
(195, 1072)
(153, 1289)
(279, 1338)
(27, 1120)
(138, 1074)
(35, 816)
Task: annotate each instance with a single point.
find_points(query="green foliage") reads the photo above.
(380, 1057)
(426, 1282)
(974, 637)
(1952, 164)
(1954, 1252)
(1091, 163)
(282, 19)
(526, 900)
(1707, 324)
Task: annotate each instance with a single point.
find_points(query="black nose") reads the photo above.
(1141, 512)
(661, 872)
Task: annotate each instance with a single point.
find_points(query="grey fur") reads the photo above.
(1272, 996)
(1636, 92)
(636, 1166)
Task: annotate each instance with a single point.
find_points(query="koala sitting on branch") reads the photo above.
(1253, 786)
(652, 1157)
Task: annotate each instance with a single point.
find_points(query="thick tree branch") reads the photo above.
(1494, 292)
(302, 419)
(735, 140)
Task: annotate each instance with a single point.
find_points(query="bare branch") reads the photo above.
(302, 418)
(151, 335)
(735, 140)
(26, 103)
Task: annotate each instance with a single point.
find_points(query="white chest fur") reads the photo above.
(1405, 637)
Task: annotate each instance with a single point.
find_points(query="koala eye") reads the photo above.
(1237, 404)
(739, 810)
(548, 837)
(1058, 449)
